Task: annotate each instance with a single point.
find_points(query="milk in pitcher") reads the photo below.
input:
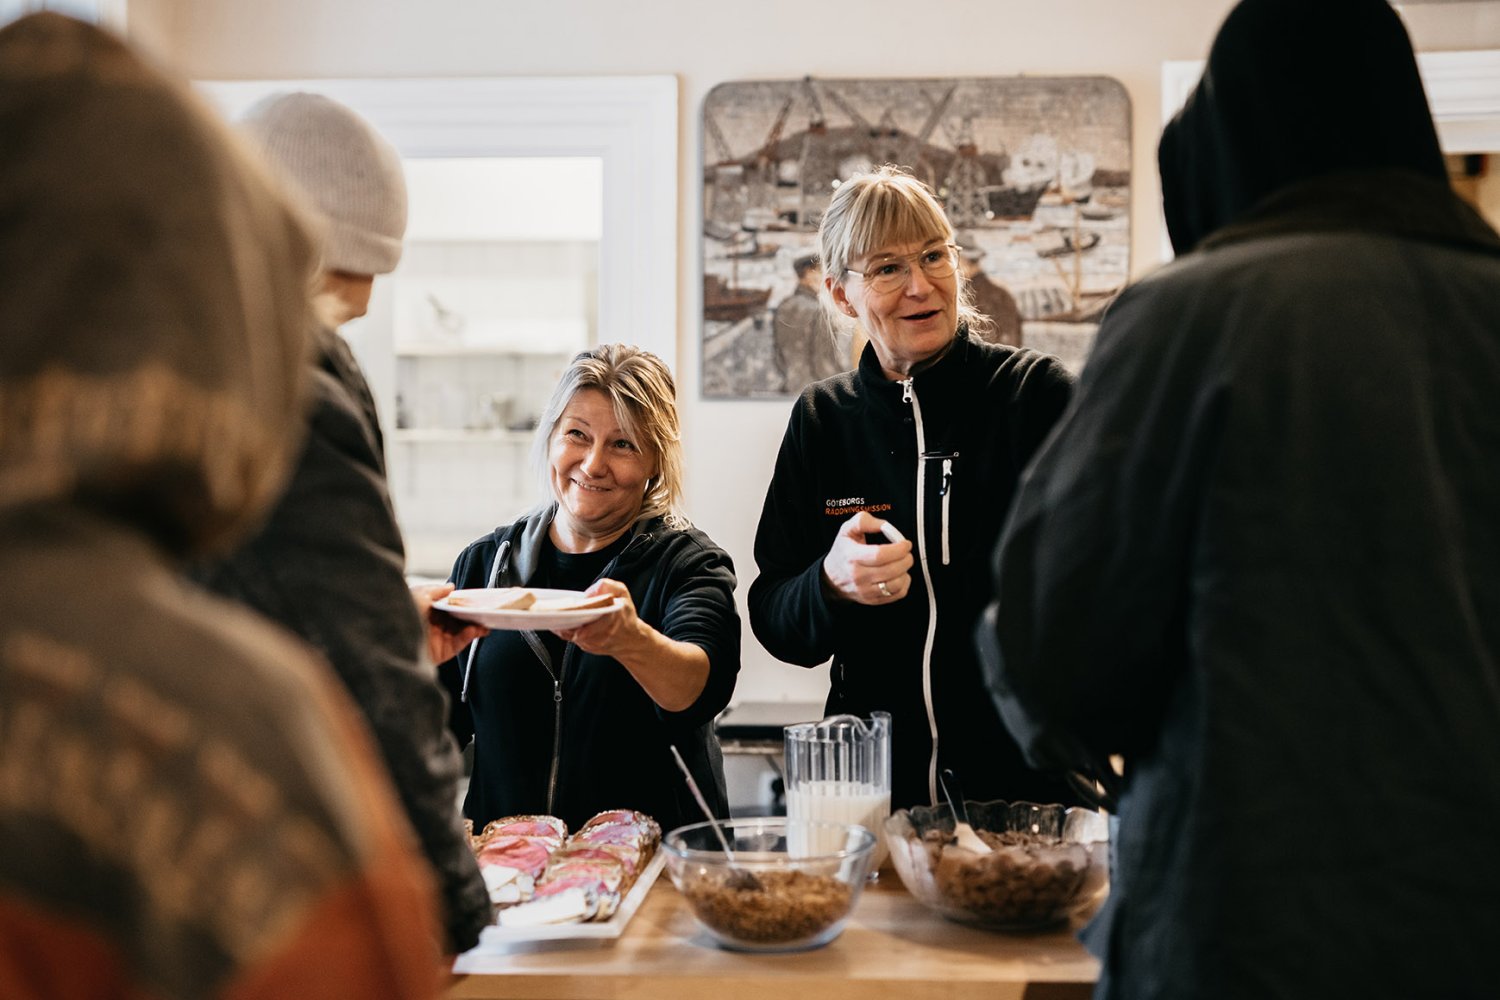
(835, 802)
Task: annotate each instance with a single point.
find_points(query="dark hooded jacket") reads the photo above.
(1260, 558)
(575, 735)
(328, 564)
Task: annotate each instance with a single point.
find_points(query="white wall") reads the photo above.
(731, 444)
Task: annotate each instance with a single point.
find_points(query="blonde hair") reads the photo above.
(886, 206)
(641, 390)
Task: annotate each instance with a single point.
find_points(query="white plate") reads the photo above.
(495, 938)
(526, 619)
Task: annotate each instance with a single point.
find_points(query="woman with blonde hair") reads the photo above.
(927, 437)
(573, 722)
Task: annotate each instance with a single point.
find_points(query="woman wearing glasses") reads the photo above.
(918, 451)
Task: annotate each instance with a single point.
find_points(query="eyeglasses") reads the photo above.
(895, 272)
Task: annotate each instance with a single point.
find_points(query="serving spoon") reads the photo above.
(967, 838)
(738, 877)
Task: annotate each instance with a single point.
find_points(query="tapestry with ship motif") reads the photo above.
(1034, 172)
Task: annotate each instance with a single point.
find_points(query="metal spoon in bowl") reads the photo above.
(967, 838)
(738, 877)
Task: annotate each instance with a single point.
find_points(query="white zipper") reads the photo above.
(946, 490)
(909, 396)
(496, 565)
(535, 642)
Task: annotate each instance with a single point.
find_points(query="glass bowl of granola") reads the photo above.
(1046, 863)
(789, 886)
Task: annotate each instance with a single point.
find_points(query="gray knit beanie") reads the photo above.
(346, 169)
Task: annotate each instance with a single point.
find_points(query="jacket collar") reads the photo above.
(1392, 202)
(936, 381)
(524, 542)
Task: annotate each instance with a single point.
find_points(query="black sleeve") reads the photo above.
(470, 570)
(700, 610)
(789, 612)
(329, 565)
(460, 716)
(1080, 644)
(1043, 389)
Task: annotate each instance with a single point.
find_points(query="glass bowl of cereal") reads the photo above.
(789, 886)
(1046, 862)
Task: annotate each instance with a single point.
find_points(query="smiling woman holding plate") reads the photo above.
(571, 718)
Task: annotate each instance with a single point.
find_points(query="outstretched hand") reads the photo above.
(447, 636)
(857, 571)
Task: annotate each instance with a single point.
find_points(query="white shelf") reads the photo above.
(426, 435)
(430, 552)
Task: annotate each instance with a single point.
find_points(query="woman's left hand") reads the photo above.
(672, 673)
(614, 634)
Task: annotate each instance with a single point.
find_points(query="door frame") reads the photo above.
(628, 122)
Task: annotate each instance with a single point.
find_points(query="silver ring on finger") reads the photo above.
(884, 590)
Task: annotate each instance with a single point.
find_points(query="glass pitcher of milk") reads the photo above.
(837, 771)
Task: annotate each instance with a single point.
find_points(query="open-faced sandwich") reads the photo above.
(513, 852)
(537, 876)
(503, 599)
(522, 599)
(552, 604)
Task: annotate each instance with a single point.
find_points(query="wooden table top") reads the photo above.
(893, 948)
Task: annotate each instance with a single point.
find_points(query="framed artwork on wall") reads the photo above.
(1034, 173)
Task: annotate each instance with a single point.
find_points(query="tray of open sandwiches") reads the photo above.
(551, 885)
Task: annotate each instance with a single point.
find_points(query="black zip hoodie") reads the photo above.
(963, 429)
(608, 739)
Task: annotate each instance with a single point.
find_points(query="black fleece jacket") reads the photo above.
(611, 739)
(858, 441)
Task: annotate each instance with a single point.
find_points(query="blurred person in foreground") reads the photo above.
(189, 805)
(329, 562)
(1261, 560)
(576, 721)
(929, 434)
